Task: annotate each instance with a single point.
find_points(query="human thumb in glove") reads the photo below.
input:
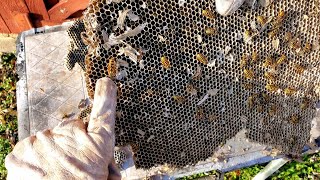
(70, 150)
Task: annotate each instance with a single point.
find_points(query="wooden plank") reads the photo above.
(50, 3)
(23, 20)
(15, 5)
(3, 27)
(8, 10)
(77, 14)
(65, 8)
(38, 9)
(41, 23)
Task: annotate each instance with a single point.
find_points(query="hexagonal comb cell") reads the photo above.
(186, 81)
(77, 47)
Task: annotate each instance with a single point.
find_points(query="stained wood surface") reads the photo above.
(41, 23)
(15, 5)
(38, 8)
(20, 15)
(50, 3)
(3, 26)
(65, 8)
(9, 9)
(23, 20)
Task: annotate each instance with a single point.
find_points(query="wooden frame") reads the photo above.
(38, 8)
(64, 9)
(20, 15)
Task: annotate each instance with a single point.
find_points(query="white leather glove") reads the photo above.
(70, 150)
(227, 7)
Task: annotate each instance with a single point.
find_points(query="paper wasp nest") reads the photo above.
(189, 79)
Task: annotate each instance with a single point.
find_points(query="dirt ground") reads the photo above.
(8, 42)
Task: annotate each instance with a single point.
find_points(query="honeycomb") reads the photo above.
(77, 49)
(120, 157)
(85, 113)
(176, 106)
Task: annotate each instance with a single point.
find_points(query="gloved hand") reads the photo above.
(70, 150)
(227, 7)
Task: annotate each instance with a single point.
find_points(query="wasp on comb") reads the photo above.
(112, 68)
(201, 58)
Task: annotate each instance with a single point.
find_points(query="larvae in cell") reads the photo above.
(289, 91)
(254, 57)
(208, 14)
(197, 74)
(244, 61)
(191, 89)
(295, 118)
(278, 22)
(299, 69)
(134, 147)
(281, 14)
(295, 44)
(262, 20)
(307, 48)
(210, 31)
(247, 86)
(165, 62)
(247, 34)
(213, 117)
(272, 87)
(179, 99)
(268, 62)
(273, 33)
(251, 101)
(200, 114)
(272, 110)
(305, 103)
(270, 76)
(140, 54)
(260, 108)
(265, 97)
(201, 58)
(281, 59)
(288, 36)
(248, 73)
